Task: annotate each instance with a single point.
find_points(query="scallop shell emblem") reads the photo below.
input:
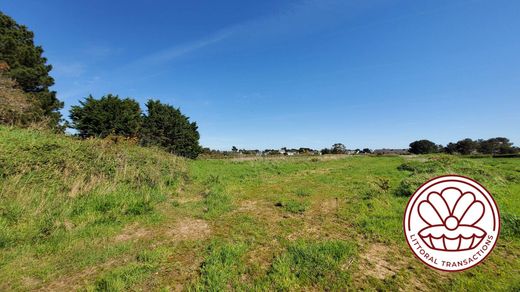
(451, 223)
(451, 229)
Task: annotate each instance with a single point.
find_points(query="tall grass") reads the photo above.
(57, 192)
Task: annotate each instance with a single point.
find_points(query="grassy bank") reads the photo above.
(100, 215)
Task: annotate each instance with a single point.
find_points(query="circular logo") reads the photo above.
(451, 223)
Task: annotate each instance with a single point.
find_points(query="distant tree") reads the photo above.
(167, 127)
(305, 150)
(325, 151)
(499, 145)
(423, 147)
(366, 151)
(466, 146)
(28, 67)
(234, 149)
(338, 148)
(451, 148)
(109, 115)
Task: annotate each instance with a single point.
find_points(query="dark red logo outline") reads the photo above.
(494, 227)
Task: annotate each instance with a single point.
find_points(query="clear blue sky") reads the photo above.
(267, 74)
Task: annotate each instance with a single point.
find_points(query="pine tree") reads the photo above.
(28, 67)
(167, 127)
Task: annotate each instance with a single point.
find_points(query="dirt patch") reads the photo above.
(307, 232)
(132, 232)
(29, 282)
(379, 261)
(262, 256)
(247, 205)
(190, 229)
(185, 229)
(265, 211)
(329, 206)
(184, 200)
(76, 281)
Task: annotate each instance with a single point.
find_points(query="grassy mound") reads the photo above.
(58, 192)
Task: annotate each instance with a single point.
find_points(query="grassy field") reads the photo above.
(103, 215)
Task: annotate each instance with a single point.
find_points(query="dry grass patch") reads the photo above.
(379, 261)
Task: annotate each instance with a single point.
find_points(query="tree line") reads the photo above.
(27, 100)
(493, 146)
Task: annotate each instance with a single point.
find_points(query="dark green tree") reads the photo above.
(167, 127)
(109, 115)
(338, 148)
(423, 147)
(466, 146)
(325, 151)
(451, 148)
(28, 67)
(499, 145)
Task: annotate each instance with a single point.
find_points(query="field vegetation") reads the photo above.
(106, 214)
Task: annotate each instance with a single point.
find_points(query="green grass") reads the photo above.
(322, 265)
(98, 215)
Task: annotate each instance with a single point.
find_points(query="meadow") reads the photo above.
(108, 215)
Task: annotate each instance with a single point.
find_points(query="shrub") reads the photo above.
(410, 184)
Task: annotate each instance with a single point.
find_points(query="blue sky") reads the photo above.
(267, 74)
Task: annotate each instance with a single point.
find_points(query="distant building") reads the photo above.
(385, 151)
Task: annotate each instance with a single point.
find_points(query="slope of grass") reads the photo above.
(61, 198)
(100, 215)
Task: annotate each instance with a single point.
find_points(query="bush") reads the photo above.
(106, 116)
(410, 184)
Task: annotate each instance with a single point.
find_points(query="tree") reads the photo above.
(423, 147)
(167, 127)
(338, 148)
(499, 145)
(325, 151)
(109, 115)
(234, 149)
(466, 146)
(28, 67)
(366, 151)
(451, 148)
